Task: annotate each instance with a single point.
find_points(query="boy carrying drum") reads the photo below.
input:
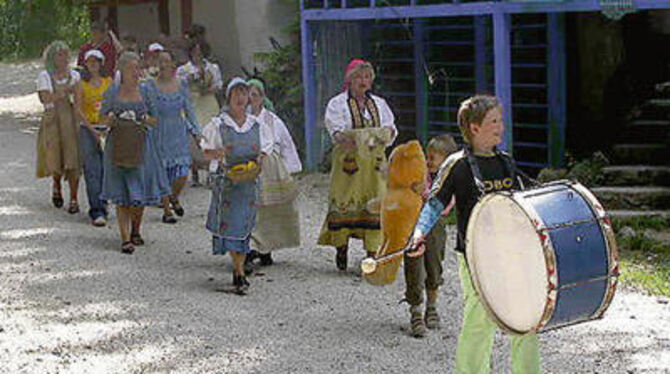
(478, 169)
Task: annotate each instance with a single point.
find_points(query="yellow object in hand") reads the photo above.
(239, 168)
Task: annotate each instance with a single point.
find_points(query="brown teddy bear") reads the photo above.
(400, 207)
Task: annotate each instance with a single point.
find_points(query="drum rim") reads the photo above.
(605, 223)
(550, 304)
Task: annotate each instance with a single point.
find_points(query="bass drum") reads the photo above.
(542, 258)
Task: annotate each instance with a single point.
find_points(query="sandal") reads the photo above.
(178, 209)
(266, 259)
(74, 207)
(57, 198)
(341, 258)
(169, 219)
(136, 239)
(241, 284)
(127, 248)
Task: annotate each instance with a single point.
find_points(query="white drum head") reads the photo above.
(507, 263)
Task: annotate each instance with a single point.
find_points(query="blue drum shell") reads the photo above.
(581, 253)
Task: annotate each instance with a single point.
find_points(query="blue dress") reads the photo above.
(143, 185)
(176, 117)
(232, 210)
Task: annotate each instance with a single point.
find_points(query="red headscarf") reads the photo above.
(354, 66)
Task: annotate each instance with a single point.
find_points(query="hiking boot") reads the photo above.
(418, 328)
(432, 318)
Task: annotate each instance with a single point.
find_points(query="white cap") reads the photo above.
(94, 53)
(156, 47)
(237, 81)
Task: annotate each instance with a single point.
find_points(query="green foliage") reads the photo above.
(640, 223)
(282, 73)
(645, 264)
(644, 260)
(587, 171)
(27, 26)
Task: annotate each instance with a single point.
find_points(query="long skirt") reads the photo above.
(357, 178)
(58, 151)
(206, 107)
(278, 223)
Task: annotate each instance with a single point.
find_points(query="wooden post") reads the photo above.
(503, 72)
(164, 16)
(186, 15)
(113, 19)
(309, 87)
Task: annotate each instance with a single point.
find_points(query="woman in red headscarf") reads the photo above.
(361, 126)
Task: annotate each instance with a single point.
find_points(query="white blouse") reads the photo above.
(44, 82)
(338, 116)
(280, 140)
(211, 134)
(189, 72)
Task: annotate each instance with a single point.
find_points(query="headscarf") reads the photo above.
(50, 52)
(354, 66)
(237, 81)
(267, 103)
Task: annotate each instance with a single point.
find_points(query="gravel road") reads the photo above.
(70, 302)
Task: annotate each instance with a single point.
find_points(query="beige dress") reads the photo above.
(58, 150)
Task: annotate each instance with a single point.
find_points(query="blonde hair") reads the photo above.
(473, 110)
(443, 144)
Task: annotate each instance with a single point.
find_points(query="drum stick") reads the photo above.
(369, 265)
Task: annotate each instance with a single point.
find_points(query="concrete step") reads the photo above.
(634, 198)
(639, 213)
(636, 175)
(631, 154)
(645, 131)
(655, 109)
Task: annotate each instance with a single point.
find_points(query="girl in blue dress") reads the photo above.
(132, 188)
(176, 119)
(233, 138)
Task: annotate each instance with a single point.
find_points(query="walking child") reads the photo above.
(478, 169)
(425, 272)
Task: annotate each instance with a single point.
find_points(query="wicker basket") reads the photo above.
(243, 173)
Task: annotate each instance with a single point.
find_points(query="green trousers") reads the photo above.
(475, 342)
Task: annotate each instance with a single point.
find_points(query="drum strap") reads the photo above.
(476, 173)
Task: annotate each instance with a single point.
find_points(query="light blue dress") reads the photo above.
(232, 210)
(176, 118)
(143, 185)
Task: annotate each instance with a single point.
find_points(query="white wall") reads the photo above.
(236, 29)
(140, 20)
(256, 22)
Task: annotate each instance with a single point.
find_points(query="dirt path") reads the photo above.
(71, 303)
